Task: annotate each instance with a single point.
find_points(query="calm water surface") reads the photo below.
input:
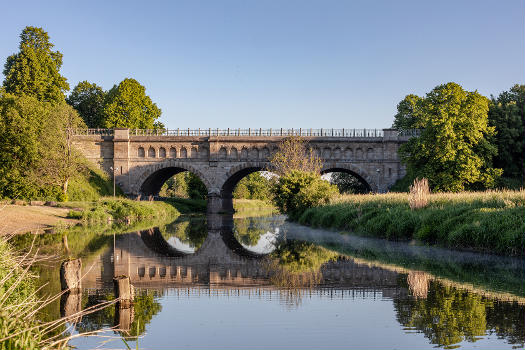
(265, 283)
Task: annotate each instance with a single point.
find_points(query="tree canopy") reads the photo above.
(88, 99)
(34, 70)
(507, 115)
(128, 106)
(453, 151)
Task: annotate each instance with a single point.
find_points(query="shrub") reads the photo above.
(300, 190)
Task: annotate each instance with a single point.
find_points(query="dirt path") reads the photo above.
(15, 219)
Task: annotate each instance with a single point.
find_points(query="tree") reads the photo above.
(293, 154)
(347, 183)
(507, 115)
(253, 186)
(128, 106)
(453, 151)
(88, 99)
(34, 71)
(36, 157)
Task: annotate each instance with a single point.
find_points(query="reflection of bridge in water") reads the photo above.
(220, 263)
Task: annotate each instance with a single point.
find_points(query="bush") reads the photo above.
(300, 190)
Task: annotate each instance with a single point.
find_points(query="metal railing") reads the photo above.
(260, 132)
(410, 133)
(85, 132)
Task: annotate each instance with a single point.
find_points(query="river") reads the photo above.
(262, 282)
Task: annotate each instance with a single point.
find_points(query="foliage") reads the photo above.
(347, 183)
(90, 184)
(253, 186)
(293, 154)
(88, 99)
(184, 185)
(36, 158)
(299, 190)
(34, 70)
(453, 151)
(483, 221)
(507, 115)
(128, 106)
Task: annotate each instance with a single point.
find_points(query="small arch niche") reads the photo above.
(162, 152)
(141, 153)
(173, 152)
(183, 153)
(223, 154)
(151, 152)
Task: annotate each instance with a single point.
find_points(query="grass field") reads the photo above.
(491, 221)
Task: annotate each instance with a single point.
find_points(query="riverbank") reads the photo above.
(480, 221)
(17, 219)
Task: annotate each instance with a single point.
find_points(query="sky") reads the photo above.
(281, 63)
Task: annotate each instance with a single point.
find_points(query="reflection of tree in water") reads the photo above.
(449, 315)
(145, 307)
(297, 264)
(248, 231)
(189, 230)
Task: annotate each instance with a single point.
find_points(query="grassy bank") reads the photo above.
(482, 221)
(253, 207)
(120, 210)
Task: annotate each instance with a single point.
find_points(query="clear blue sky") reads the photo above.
(278, 63)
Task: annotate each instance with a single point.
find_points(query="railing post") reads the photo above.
(239, 132)
(364, 132)
(281, 131)
(228, 132)
(209, 132)
(321, 131)
(343, 132)
(188, 131)
(260, 131)
(270, 131)
(249, 131)
(217, 132)
(332, 132)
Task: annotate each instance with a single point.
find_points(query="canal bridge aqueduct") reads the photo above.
(142, 160)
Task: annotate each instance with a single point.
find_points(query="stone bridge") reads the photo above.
(142, 160)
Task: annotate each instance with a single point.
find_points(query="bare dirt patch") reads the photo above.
(16, 219)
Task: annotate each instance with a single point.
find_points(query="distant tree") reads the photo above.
(347, 183)
(88, 99)
(453, 151)
(507, 115)
(34, 70)
(128, 106)
(253, 186)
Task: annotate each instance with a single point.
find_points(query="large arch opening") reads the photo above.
(174, 182)
(347, 181)
(249, 183)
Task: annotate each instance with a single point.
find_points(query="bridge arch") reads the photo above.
(232, 178)
(152, 177)
(353, 170)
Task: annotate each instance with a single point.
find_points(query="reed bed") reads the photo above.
(491, 221)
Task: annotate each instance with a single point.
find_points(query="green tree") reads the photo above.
(453, 151)
(34, 70)
(253, 186)
(299, 190)
(347, 183)
(507, 115)
(36, 157)
(128, 106)
(88, 99)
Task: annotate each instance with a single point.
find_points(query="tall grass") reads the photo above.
(419, 194)
(492, 221)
